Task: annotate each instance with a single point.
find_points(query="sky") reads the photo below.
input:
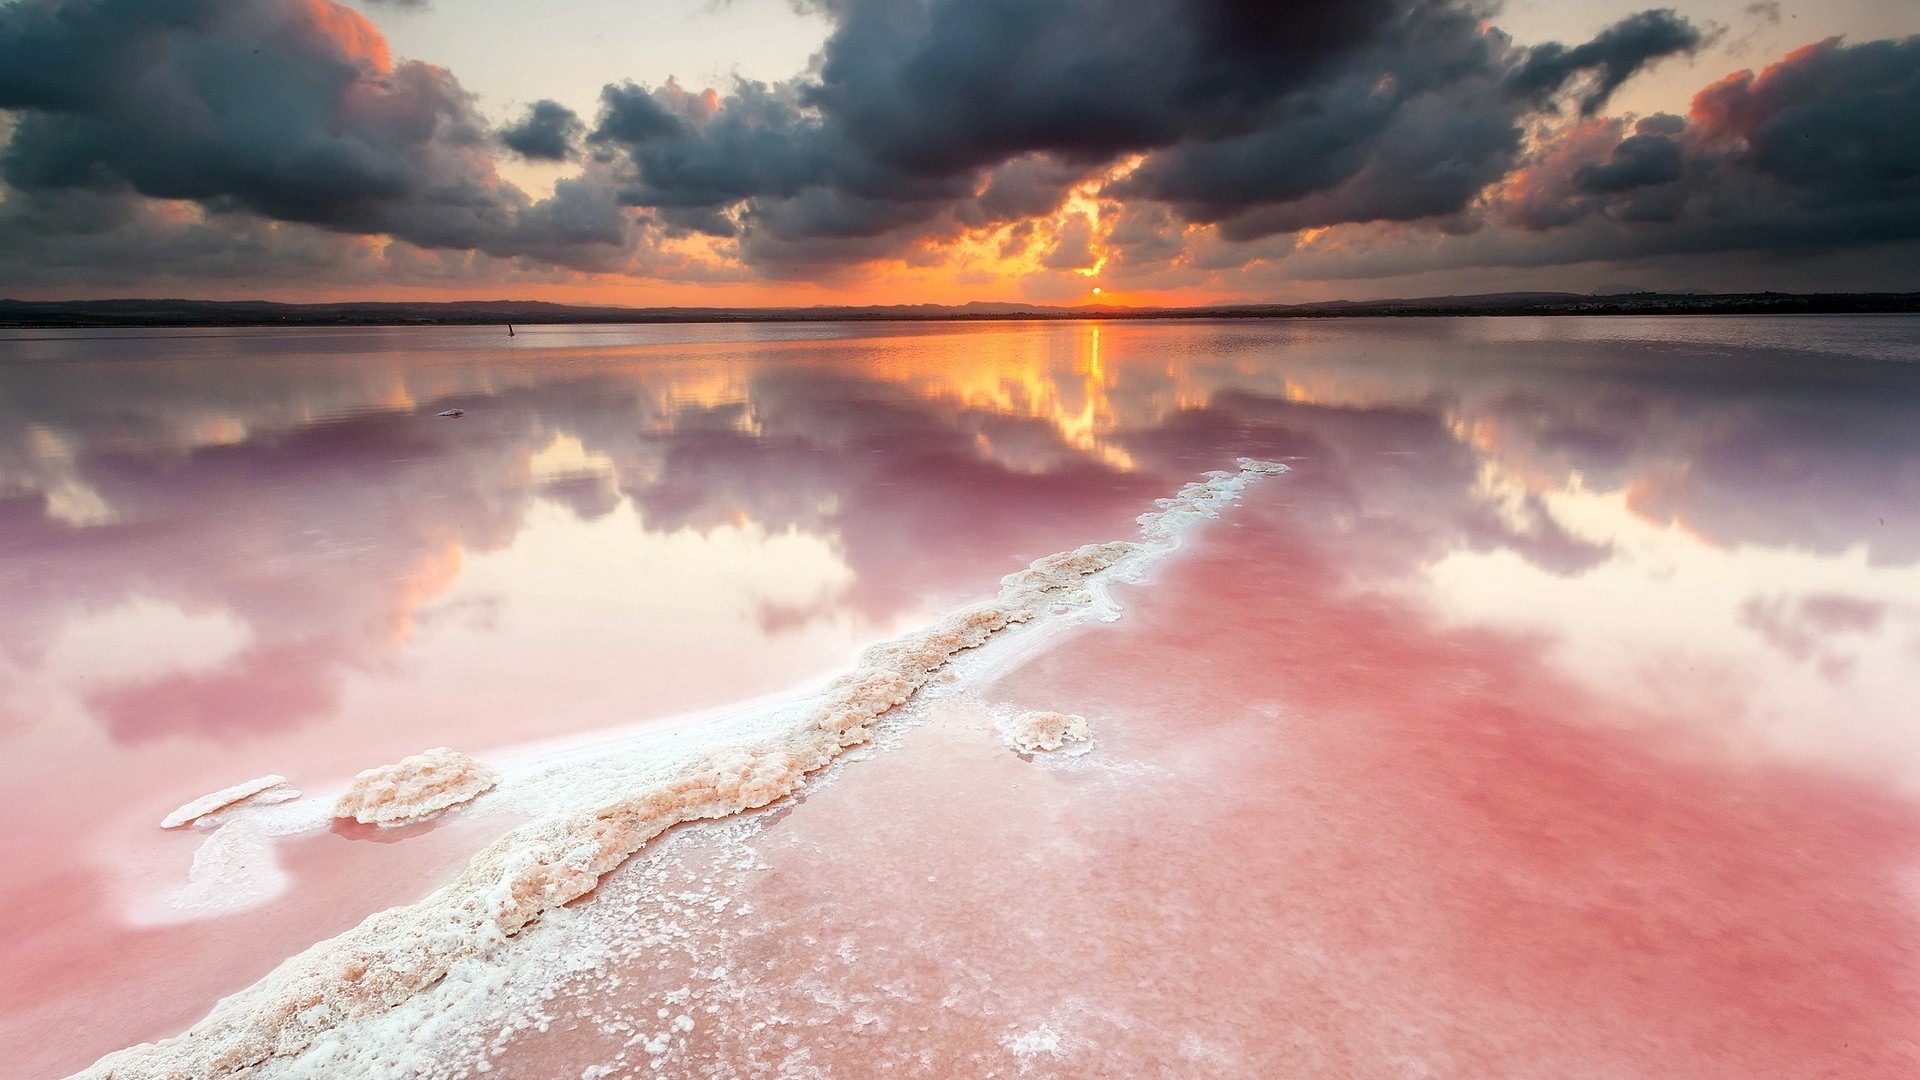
(767, 152)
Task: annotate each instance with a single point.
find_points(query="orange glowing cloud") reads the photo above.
(1737, 103)
(351, 33)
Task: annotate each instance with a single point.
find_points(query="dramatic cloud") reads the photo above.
(292, 110)
(1267, 118)
(1833, 122)
(1611, 58)
(1818, 150)
(936, 87)
(1207, 145)
(1415, 127)
(1649, 157)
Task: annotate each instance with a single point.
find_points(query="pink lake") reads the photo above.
(1552, 716)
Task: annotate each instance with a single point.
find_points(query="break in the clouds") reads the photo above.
(1165, 144)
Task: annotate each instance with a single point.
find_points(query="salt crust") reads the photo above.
(1035, 732)
(236, 863)
(415, 788)
(265, 789)
(542, 865)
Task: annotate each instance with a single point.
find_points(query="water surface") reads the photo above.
(1563, 687)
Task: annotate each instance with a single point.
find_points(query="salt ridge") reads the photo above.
(606, 806)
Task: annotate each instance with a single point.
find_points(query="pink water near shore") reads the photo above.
(1322, 834)
(1551, 718)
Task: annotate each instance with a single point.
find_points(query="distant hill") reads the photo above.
(185, 313)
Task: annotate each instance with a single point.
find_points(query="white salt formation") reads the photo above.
(415, 788)
(236, 864)
(1034, 732)
(259, 791)
(544, 864)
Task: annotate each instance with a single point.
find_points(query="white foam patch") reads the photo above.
(598, 803)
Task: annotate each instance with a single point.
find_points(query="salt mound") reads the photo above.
(415, 788)
(265, 789)
(1033, 732)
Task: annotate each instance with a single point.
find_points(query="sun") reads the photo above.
(1097, 290)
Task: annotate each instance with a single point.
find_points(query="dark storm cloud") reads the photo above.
(1833, 120)
(1650, 156)
(289, 109)
(1415, 127)
(925, 116)
(548, 132)
(629, 114)
(940, 86)
(1816, 151)
(1635, 163)
(1610, 58)
(928, 114)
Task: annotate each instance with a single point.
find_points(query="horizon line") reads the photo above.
(174, 312)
